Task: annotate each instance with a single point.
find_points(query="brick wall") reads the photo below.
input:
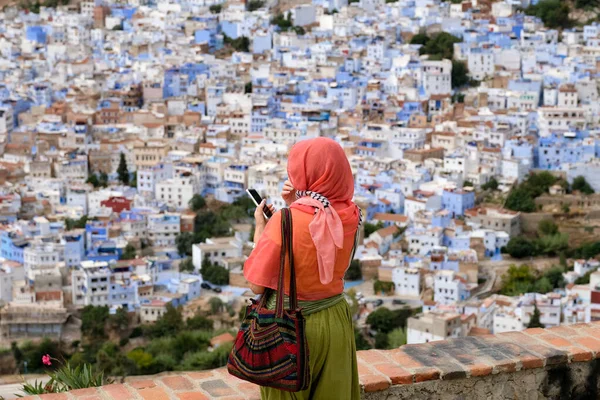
(558, 363)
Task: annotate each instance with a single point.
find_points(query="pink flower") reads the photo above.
(46, 359)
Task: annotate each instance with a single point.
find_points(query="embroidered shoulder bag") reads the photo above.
(270, 348)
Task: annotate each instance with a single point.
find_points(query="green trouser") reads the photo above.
(332, 357)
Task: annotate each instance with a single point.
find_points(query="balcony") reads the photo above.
(561, 362)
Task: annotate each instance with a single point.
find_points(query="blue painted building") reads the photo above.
(12, 246)
(458, 201)
(36, 34)
(177, 80)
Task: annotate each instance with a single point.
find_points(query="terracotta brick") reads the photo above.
(363, 369)
(153, 393)
(531, 361)
(589, 343)
(564, 331)
(142, 384)
(372, 357)
(178, 383)
(191, 396)
(555, 341)
(535, 331)
(398, 376)
(479, 370)
(95, 397)
(374, 383)
(198, 376)
(577, 354)
(426, 374)
(432, 355)
(84, 392)
(217, 388)
(54, 396)
(118, 392)
(404, 360)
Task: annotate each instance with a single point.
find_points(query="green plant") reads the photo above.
(580, 184)
(534, 322)
(354, 272)
(32, 389)
(80, 377)
(122, 170)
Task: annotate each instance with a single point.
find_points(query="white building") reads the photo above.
(178, 191)
(437, 77)
(450, 288)
(433, 326)
(91, 284)
(217, 250)
(164, 228)
(41, 258)
(407, 282)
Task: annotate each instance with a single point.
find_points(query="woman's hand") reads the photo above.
(261, 221)
(288, 193)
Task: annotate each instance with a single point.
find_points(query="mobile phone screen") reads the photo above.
(257, 199)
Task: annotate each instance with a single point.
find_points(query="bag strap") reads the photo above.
(286, 247)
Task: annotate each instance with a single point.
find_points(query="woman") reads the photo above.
(325, 223)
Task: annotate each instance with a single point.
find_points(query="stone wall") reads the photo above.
(557, 363)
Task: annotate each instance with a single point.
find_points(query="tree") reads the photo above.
(520, 247)
(586, 4)
(284, 23)
(585, 279)
(542, 286)
(382, 286)
(534, 322)
(187, 265)
(547, 227)
(168, 324)
(441, 46)
(381, 340)
(80, 223)
(197, 203)
(184, 242)
(199, 323)
(361, 342)
(517, 280)
(520, 200)
(119, 321)
(133, 181)
(381, 320)
(492, 184)
(420, 38)
(371, 228)
(397, 338)
(581, 185)
(554, 13)
(93, 180)
(122, 170)
(214, 273)
(248, 87)
(93, 321)
(459, 74)
(103, 179)
(354, 272)
(215, 8)
(254, 5)
(216, 305)
(555, 277)
(467, 184)
(128, 252)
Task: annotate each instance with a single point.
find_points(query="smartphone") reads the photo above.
(257, 200)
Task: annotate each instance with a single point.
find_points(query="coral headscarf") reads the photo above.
(321, 166)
